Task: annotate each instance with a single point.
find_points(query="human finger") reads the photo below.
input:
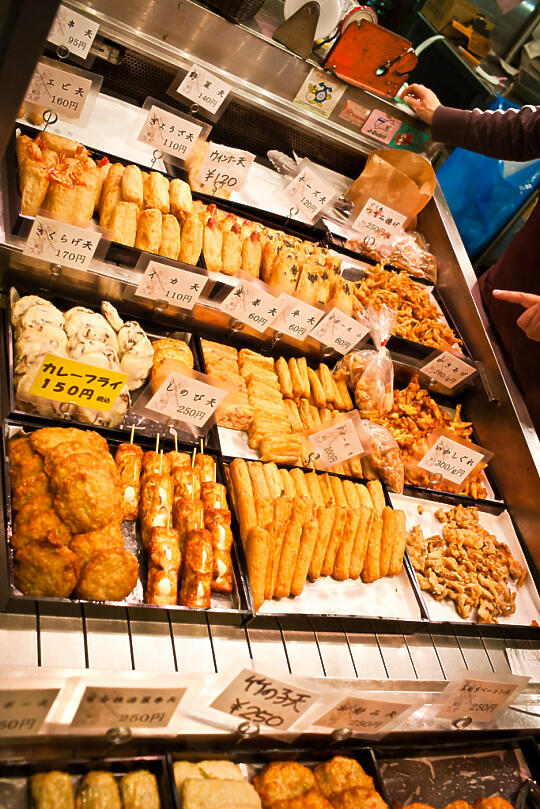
(529, 322)
(525, 299)
(414, 90)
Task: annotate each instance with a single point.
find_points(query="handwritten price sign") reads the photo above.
(251, 304)
(450, 459)
(337, 443)
(479, 699)
(448, 369)
(186, 399)
(203, 88)
(339, 331)
(181, 288)
(62, 244)
(364, 716)
(169, 133)
(308, 193)
(73, 31)
(376, 222)
(72, 382)
(226, 168)
(23, 712)
(297, 318)
(102, 707)
(64, 92)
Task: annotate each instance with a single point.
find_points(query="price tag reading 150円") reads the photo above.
(72, 382)
(104, 707)
(186, 399)
(66, 245)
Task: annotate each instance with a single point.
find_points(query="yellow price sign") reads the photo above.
(72, 382)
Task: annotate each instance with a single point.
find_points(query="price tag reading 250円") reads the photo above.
(72, 382)
(104, 707)
(186, 399)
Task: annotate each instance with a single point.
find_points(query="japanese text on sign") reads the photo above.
(251, 305)
(377, 222)
(263, 700)
(381, 126)
(448, 369)
(226, 168)
(59, 90)
(69, 381)
(297, 318)
(339, 331)
(169, 133)
(103, 707)
(22, 713)
(162, 282)
(450, 459)
(309, 193)
(62, 244)
(186, 399)
(74, 31)
(338, 443)
(479, 699)
(363, 715)
(203, 88)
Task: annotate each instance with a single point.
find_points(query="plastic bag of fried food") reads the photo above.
(383, 455)
(370, 373)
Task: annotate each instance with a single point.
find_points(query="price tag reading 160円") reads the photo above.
(72, 382)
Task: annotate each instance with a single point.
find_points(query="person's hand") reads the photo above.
(422, 100)
(529, 321)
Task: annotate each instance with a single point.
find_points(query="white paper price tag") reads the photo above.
(338, 443)
(479, 699)
(448, 369)
(73, 31)
(161, 282)
(376, 222)
(339, 331)
(364, 716)
(169, 133)
(62, 244)
(186, 399)
(308, 193)
(22, 713)
(226, 168)
(104, 707)
(203, 88)
(263, 700)
(297, 318)
(450, 459)
(252, 305)
(62, 91)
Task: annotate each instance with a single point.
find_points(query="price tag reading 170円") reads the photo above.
(479, 699)
(264, 701)
(63, 92)
(252, 305)
(377, 222)
(62, 244)
(169, 133)
(308, 193)
(450, 459)
(338, 443)
(297, 318)
(162, 282)
(223, 167)
(73, 31)
(364, 716)
(203, 88)
(104, 707)
(448, 369)
(339, 331)
(72, 382)
(22, 713)
(186, 399)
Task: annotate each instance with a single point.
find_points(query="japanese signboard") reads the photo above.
(249, 303)
(308, 193)
(320, 92)
(376, 222)
(69, 381)
(381, 126)
(448, 369)
(223, 167)
(339, 331)
(62, 244)
(453, 460)
(187, 399)
(365, 716)
(264, 700)
(23, 712)
(173, 134)
(73, 31)
(203, 88)
(479, 697)
(337, 443)
(163, 282)
(104, 707)
(65, 92)
(297, 318)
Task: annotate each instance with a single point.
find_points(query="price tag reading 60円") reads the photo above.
(72, 382)
(252, 305)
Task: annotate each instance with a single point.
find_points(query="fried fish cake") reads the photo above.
(86, 501)
(24, 461)
(492, 803)
(283, 780)
(85, 546)
(313, 799)
(95, 462)
(33, 508)
(108, 576)
(459, 805)
(28, 489)
(357, 798)
(48, 438)
(341, 773)
(46, 568)
(58, 456)
(44, 526)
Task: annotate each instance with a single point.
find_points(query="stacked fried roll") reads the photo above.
(222, 361)
(296, 526)
(169, 355)
(97, 790)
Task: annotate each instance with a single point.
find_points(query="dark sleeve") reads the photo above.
(509, 135)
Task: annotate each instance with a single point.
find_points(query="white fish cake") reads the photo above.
(213, 793)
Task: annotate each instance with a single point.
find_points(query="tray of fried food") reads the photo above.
(297, 527)
(213, 784)
(221, 361)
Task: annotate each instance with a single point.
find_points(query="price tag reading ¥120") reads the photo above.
(22, 713)
(479, 699)
(103, 707)
(64, 92)
(339, 331)
(72, 382)
(377, 222)
(264, 700)
(364, 716)
(73, 31)
(62, 244)
(226, 168)
(450, 459)
(337, 443)
(297, 318)
(169, 133)
(186, 399)
(161, 282)
(203, 88)
(308, 193)
(252, 305)
(448, 369)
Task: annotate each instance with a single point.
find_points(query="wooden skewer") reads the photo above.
(157, 442)
(161, 462)
(193, 457)
(175, 441)
(202, 446)
(132, 434)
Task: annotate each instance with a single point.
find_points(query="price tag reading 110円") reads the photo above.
(169, 133)
(163, 282)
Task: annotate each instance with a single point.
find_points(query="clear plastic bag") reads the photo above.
(383, 455)
(408, 251)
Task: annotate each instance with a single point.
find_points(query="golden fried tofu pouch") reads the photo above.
(52, 790)
(156, 192)
(46, 568)
(111, 194)
(132, 185)
(98, 790)
(191, 240)
(180, 199)
(139, 790)
(149, 230)
(170, 237)
(123, 223)
(108, 576)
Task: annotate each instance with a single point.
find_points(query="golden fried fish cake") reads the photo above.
(33, 508)
(28, 489)
(108, 576)
(48, 438)
(58, 456)
(313, 799)
(357, 798)
(96, 462)
(24, 461)
(418, 806)
(47, 525)
(458, 805)
(492, 803)
(283, 780)
(86, 501)
(85, 546)
(46, 568)
(341, 773)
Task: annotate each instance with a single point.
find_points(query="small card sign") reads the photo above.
(62, 244)
(187, 399)
(223, 167)
(479, 697)
(448, 369)
(73, 31)
(365, 716)
(376, 222)
(104, 707)
(451, 459)
(297, 318)
(251, 304)
(203, 88)
(73, 382)
(174, 134)
(65, 92)
(163, 282)
(308, 193)
(339, 331)
(23, 712)
(337, 443)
